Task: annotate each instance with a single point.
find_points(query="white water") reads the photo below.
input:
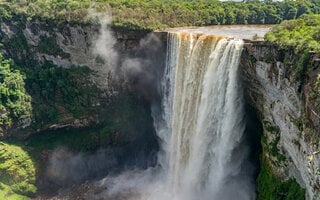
(203, 115)
(200, 124)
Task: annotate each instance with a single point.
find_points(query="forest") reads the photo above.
(157, 14)
(39, 94)
(302, 36)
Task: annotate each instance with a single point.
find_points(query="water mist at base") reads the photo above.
(200, 124)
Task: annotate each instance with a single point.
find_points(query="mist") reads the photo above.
(199, 116)
(137, 71)
(142, 71)
(104, 46)
(134, 72)
(66, 167)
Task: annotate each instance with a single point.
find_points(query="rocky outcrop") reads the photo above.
(68, 45)
(280, 101)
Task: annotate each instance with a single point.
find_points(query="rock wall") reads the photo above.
(119, 119)
(82, 45)
(279, 99)
(71, 44)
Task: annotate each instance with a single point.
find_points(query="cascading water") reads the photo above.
(202, 120)
(201, 124)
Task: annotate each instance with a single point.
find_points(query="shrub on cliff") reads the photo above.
(271, 187)
(15, 103)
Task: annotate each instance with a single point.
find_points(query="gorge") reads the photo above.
(201, 96)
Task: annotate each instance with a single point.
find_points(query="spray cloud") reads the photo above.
(204, 156)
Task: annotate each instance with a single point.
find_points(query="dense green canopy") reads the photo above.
(15, 103)
(154, 14)
(302, 34)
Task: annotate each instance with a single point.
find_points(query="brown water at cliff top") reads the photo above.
(234, 31)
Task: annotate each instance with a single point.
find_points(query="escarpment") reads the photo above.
(83, 121)
(120, 106)
(87, 55)
(287, 111)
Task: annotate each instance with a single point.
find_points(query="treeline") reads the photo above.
(155, 14)
(301, 35)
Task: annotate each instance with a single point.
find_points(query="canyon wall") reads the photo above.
(104, 51)
(100, 124)
(290, 139)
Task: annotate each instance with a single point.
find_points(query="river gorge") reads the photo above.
(217, 103)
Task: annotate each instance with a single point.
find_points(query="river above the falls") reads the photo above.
(247, 32)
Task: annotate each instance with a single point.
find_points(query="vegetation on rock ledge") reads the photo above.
(270, 187)
(302, 37)
(60, 92)
(302, 34)
(15, 103)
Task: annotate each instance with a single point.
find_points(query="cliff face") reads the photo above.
(289, 116)
(67, 71)
(101, 49)
(289, 140)
(69, 44)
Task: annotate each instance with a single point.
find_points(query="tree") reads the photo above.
(15, 103)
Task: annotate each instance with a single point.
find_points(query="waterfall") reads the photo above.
(202, 122)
